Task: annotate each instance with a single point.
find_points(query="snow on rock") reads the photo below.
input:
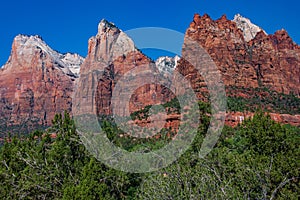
(249, 29)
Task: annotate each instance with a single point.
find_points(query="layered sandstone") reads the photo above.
(38, 82)
(235, 118)
(112, 56)
(270, 61)
(35, 84)
(232, 119)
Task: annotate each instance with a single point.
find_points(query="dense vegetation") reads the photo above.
(259, 159)
(172, 106)
(262, 98)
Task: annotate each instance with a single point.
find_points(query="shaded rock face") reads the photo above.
(270, 61)
(35, 84)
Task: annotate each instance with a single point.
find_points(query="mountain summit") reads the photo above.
(38, 82)
(25, 47)
(249, 29)
(111, 55)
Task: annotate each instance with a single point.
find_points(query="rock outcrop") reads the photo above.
(248, 28)
(166, 65)
(270, 61)
(35, 84)
(235, 118)
(111, 57)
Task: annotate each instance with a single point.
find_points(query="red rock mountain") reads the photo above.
(270, 61)
(37, 82)
(255, 66)
(111, 55)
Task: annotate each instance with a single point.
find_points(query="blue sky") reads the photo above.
(66, 26)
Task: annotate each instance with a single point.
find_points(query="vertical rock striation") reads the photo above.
(35, 84)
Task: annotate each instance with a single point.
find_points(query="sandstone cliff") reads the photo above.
(112, 55)
(270, 61)
(35, 84)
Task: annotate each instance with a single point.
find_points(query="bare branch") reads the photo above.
(281, 185)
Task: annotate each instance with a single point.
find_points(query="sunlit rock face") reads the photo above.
(112, 56)
(36, 83)
(270, 61)
(248, 28)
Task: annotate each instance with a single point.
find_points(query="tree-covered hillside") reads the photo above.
(259, 159)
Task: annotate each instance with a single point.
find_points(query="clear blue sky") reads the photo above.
(66, 26)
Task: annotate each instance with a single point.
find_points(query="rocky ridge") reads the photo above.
(248, 28)
(24, 45)
(167, 64)
(112, 55)
(37, 82)
(270, 61)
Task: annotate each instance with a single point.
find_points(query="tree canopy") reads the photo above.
(259, 159)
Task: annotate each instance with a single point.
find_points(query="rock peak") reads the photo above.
(223, 18)
(26, 48)
(105, 25)
(35, 40)
(284, 41)
(281, 32)
(197, 18)
(206, 16)
(109, 44)
(167, 64)
(248, 28)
